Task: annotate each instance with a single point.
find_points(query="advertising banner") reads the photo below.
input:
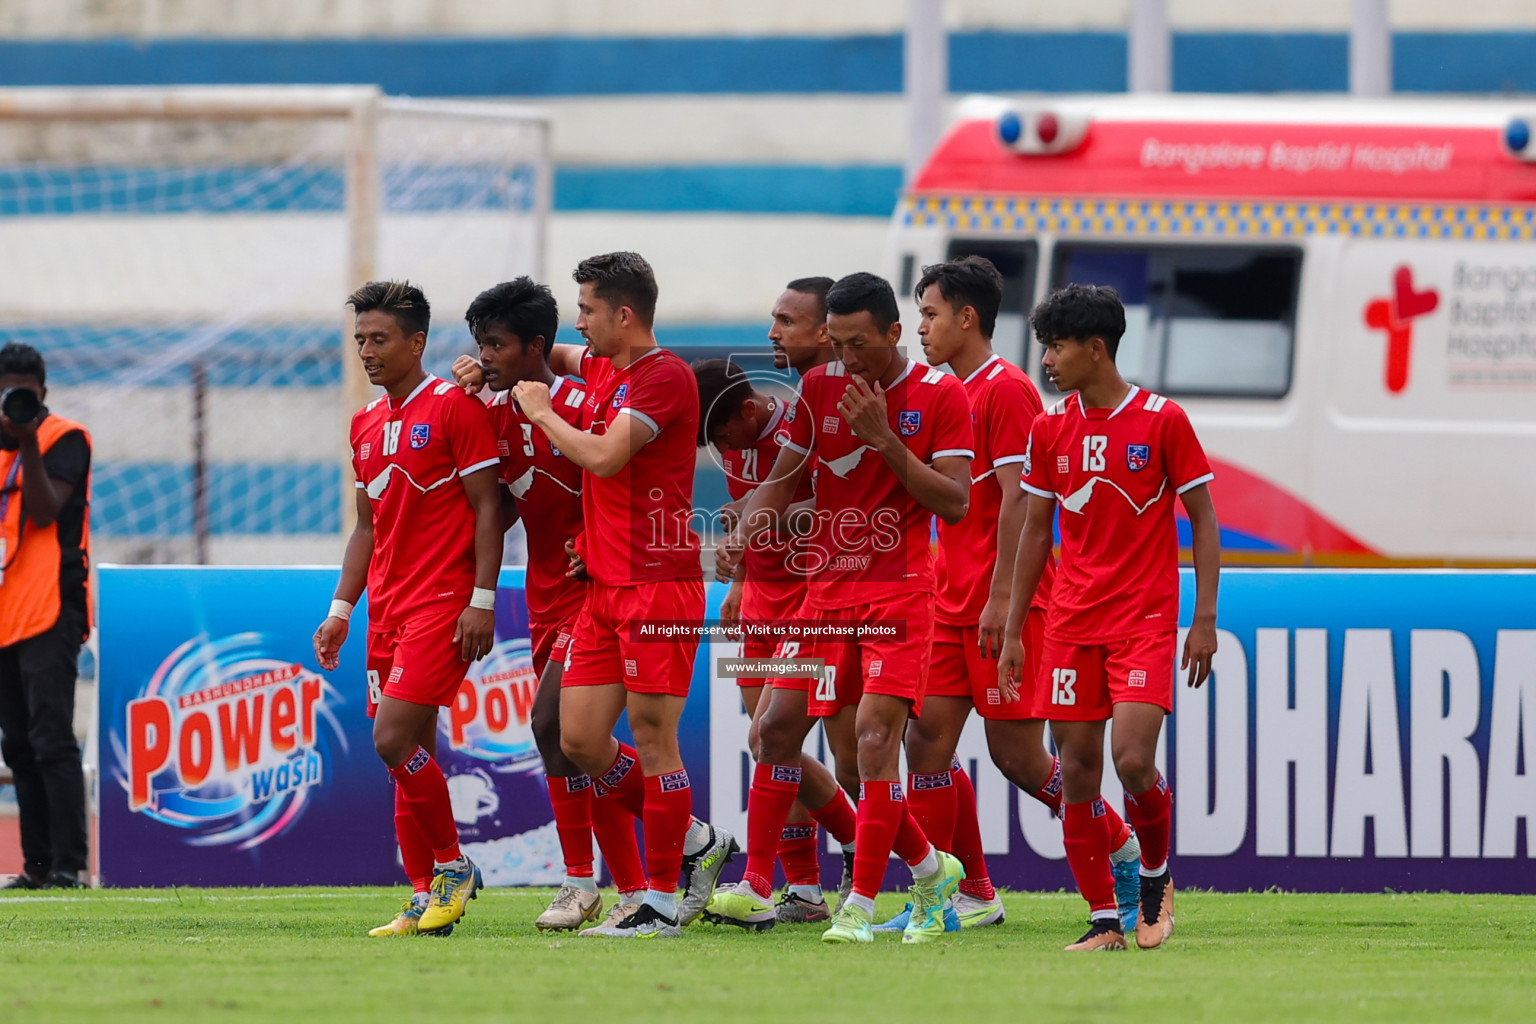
(1363, 730)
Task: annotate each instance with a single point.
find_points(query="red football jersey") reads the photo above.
(1004, 403)
(641, 529)
(547, 488)
(773, 557)
(409, 458)
(873, 540)
(1115, 473)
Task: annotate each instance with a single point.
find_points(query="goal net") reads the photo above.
(181, 258)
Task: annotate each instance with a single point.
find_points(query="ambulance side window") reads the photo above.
(1204, 321)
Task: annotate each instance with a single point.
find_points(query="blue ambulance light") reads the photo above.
(1009, 128)
(1517, 135)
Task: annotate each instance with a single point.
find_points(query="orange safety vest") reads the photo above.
(29, 595)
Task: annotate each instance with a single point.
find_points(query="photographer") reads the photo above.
(45, 463)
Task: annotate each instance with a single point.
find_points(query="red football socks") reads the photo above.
(668, 812)
(571, 799)
(1086, 836)
(1152, 815)
(774, 787)
(623, 782)
(1119, 831)
(881, 809)
(797, 852)
(931, 799)
(966, 844)
(1050, 793)
(415, 852)
(614, 828)
(838, 817)
(425, 792)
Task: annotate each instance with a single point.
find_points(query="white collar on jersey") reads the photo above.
(554, 389)
(773, 421)
(977, 372)
(1123, 402)
(431, 377)
(904, 373)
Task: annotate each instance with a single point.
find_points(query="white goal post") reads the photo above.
(181, 254)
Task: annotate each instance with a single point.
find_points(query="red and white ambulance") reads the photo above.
(1341, 293)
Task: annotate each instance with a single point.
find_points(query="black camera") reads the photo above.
(20, 405)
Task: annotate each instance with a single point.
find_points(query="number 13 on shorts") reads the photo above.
(1064, 686)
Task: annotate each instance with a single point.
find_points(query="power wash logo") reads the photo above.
(1395, 315)
(227, 741)
(492, 716)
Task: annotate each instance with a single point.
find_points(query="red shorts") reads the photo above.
(417, 661)
(765, 604)
(960, 670)
(548, 641)
(1083, 682)
(605, 649)
(896, 667)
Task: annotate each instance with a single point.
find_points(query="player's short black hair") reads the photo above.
(621, 279)
(968, 281)
(521, 306)
(20, 360)
(865, 293)
(816, 288)
(400, 299)
(1081, 311)
(724, 388)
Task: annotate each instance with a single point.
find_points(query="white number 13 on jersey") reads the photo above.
(1093, 453)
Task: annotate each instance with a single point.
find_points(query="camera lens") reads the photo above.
(20, 405)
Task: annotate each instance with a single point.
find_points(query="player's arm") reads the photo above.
(1034, 550)
(509, 513)
(349, 589)
(1010, 524)
(476, 632)
(1200, 642)
(603, 455)
(765, 510)
(564, 360)
(943, 488)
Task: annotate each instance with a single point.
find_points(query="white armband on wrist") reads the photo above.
(341, 610)
(483, 599)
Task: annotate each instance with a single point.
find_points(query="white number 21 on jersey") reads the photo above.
(1093, 452)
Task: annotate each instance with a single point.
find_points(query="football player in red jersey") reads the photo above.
(769, 590)
(1114, 458)
(893, 445)
(514, 325)
(957, 303)
(642, 554)
(427, 547)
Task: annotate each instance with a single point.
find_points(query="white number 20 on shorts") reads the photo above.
(826, 686)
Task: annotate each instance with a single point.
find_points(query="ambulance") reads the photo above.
(1341, 293)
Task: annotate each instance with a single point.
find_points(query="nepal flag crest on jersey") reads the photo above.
(1137, 456)
(420, 434)
(619, 394)
(910, 421)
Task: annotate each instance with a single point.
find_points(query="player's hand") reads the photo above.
(1010, 668)
(730, 608)
(468, 375)
(728, 556)
(532, 397)
(989, 628)
(1199, 649)
(863, 409)
(730, 512)
(476, 633)
(578, 569)
(328, 640)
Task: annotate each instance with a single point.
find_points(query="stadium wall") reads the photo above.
(737, 144)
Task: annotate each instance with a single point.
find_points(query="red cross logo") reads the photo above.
(1395, 315)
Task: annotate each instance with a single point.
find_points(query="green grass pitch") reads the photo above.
(292, 955)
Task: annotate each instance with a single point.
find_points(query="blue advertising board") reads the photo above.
(1363, 730)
